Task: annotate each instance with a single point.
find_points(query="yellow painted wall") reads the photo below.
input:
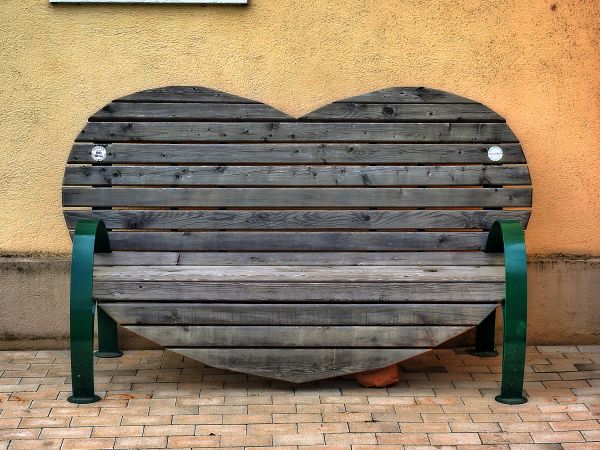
(536, 62)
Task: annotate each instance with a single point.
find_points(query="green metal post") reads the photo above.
(90, 237)
(484, 337)
(506, 236)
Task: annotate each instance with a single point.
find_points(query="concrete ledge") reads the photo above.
(34, 292)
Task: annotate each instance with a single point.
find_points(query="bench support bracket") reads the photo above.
(484, 337)
(90, 237)
(506, 236)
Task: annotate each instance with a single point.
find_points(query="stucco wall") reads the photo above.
(535, 62)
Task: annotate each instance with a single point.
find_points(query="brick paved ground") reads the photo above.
(155, 399)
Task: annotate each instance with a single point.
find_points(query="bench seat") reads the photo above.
(319, 315)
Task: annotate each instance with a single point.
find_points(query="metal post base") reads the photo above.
(105, 354)
(511, 400)
(82, 400)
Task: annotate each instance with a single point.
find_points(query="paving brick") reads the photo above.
(169, 430)
(256, 440)
(121, 431)
(299, 439)
(88, 443)
(505, 438)
(192, 441)
(350, 438)
(556, 437)
(295, 418)
(63, 433)
(280, 428)
(402, 438)
(453, 438)
(26, 444)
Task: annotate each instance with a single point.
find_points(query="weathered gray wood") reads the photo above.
(330, 314)
(117, 111)
(294, 132)
(291, 219)
(404, 112)
(184, 94)
(305, 274)
(296, 336)
(298, 259)
(338, 112)
(307, 153)
(299, 292)
(297, 197)
(298, 365)
(296, 241)
(298, 175)
(407, 95)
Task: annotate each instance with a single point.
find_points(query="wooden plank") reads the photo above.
(297, 197)
(184, 94)
(404, 112)
(120, 111)
(339, 112)
(110, 291)
(294, 132)
(303, 274)
(136, 313)
(407, 95)
(296, 241)
(298, 365)
(255, 153)
(291, 219)
(298, 175)
(295, 336)
(298, 259)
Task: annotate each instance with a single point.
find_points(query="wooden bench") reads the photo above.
(359, 235)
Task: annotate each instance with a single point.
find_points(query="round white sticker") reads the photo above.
(495, 153)
(98, 153)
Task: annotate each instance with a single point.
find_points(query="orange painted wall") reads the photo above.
(535, 62)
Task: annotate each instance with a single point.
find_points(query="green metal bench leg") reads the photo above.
(90, 236)
(507, 236)
(484, 337)
(107, 336)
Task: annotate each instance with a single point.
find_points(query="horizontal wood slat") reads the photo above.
(407, 95)
(402, 112)
(290, 219)
(289, 153)
(118, 111)
(295, 131)
(110, 291)
(298, 259)
(336, 112)
(259, 241)
(297, 336)
(184, 94)
(297, 314)
(297, 175)
(340, 273)
(296, 197)
(298, 365)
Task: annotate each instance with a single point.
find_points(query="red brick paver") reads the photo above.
(445, 400)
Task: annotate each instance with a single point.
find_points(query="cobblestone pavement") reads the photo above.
(445, 400)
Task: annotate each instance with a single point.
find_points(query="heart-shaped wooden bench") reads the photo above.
(349, 239)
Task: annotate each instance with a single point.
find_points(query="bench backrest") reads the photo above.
(189, 168)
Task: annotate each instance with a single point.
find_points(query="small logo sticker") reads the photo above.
(495, 153)
(98, 153)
